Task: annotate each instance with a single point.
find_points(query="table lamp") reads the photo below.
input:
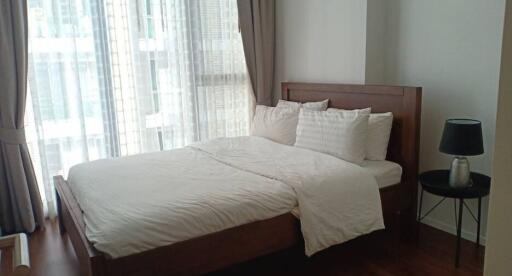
(461, 137)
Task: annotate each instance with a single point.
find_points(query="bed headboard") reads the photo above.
(403, 101)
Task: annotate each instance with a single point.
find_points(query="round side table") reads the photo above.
(436, 182)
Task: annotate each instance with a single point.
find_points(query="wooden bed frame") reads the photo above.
(238, 244)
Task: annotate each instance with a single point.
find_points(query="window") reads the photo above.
(51, 89)
(152, 66)
(156, 102)
(54, 157)
(154, 85)
(160, 138)
(110, 78)
(67, 11)
(148, 7)
(149, 20)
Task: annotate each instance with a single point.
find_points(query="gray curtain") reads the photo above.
(21, 209)
(257, 25)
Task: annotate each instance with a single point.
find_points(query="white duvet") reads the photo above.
(140, 202)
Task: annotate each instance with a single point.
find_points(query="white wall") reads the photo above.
(498, 257)
(320, 41)
(452, 49)
(376, 42)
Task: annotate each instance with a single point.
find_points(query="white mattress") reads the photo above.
(386, 173)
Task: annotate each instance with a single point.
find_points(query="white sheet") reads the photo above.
(337, 200)
(386, 173)
(141, 202)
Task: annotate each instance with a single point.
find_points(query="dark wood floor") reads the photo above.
(374, 254)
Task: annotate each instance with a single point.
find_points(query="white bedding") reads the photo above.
(137, 203)
(386, 173)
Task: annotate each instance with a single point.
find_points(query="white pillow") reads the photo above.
(379, 130)
(352, 112)
(276, 124)
(317, 106)
(334, 133)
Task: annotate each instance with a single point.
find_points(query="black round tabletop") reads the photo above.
(436, 182)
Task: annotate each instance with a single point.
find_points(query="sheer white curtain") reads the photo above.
(109, 78)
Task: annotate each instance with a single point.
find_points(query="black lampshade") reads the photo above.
(462, 137)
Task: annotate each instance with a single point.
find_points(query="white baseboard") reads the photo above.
(450, 228)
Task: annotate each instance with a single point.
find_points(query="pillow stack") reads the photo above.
(379, 130)
(279, 123)
(351, 135)
(316, 106)
(276, 124)
(334, 133)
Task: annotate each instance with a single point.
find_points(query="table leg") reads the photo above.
(421, 204)
(419, 217)
(478, 222)
(455, 212)
(459, 229)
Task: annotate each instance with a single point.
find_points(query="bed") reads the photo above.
(219, 249)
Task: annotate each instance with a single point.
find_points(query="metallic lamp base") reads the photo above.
(460, 173)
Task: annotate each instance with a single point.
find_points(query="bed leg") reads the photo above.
(396, 230)
(62, 228)
(409, 225)
(403, 228)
